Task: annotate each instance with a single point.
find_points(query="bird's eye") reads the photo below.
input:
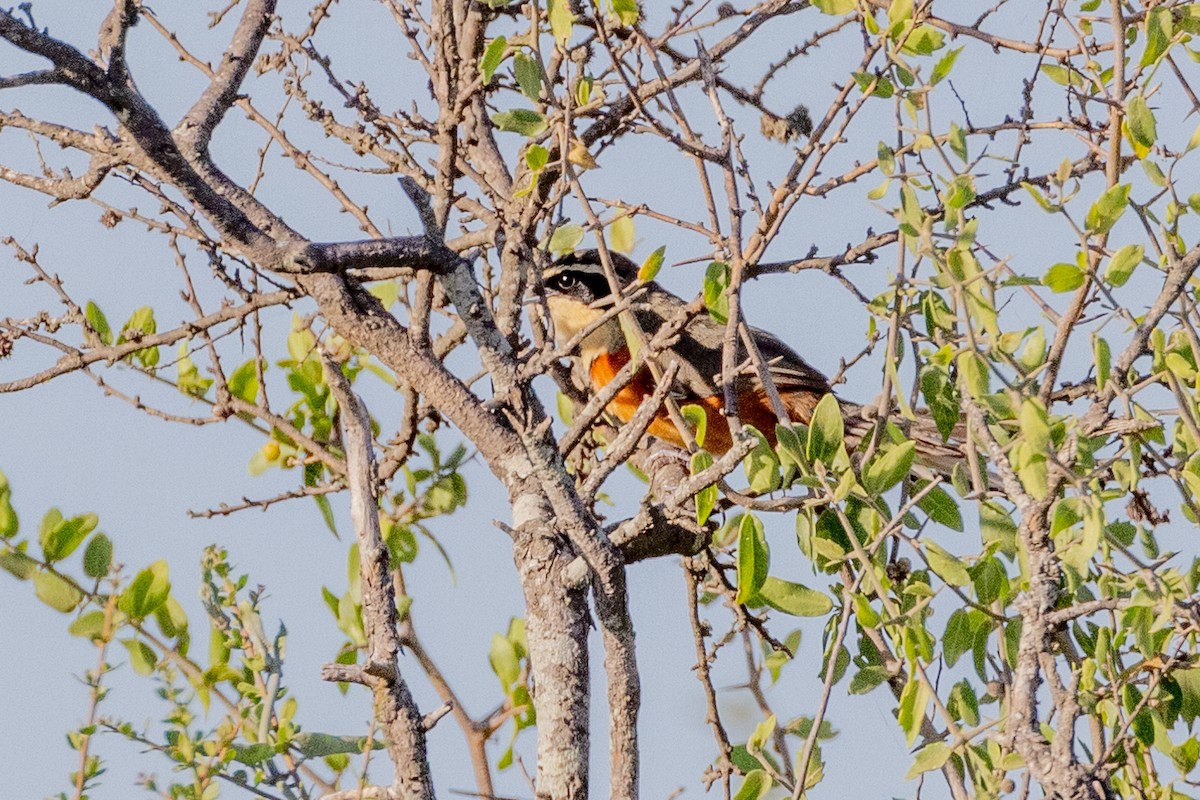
(563, 282)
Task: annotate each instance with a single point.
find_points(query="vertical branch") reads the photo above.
(395, 710)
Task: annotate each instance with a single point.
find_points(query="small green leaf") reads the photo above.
(88, 626)
(889, 468)
(716, 281)
(627, 11)
(946, 565)
(243, 383)
(56, 591)
(755, 786)
(492, 58)
(867, 679)
(322, 745)
(621, 235)
(942, 68)
(706, 498)
(1102, 355)
(565, 239)
(146, 592)
(697, 419)
(653, 263)
(959, 636)
(141, 657)
(941, 508)
(762, 466)
(1105, 212)
(753, 558)
(794, 598)
(1123, 263)
(1063, 278)
(1140, 125)
(561, 20)
(826, 430)
(60, 540)
(528, 76)
(504, 661)
(524, 121)
(930, 757)
(537, 157)
(835, 8)
(98, 556)
(98, 322)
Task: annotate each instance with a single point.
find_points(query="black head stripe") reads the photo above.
(626, 270)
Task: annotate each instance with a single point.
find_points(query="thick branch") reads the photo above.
(395, 709)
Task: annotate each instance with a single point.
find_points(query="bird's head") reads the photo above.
(578, 291)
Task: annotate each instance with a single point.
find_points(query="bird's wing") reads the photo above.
(699, 349)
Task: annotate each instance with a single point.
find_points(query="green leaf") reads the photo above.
(9, 522)
(946, 565)
(753, 558)
(63, 537)
(252, 754)
(706, 498)
(973, 373)
(835, 8)
(146, 592)
(492, 58)
(565, 239)
(826, 430)
(504, 661)
(1105, 212)
(56, 591)
(942, 398)
(141, 656)
(627, 11)
(17, 564)
(326, 510)
(1158, 35)
(930, 757)
(621, 235)
(649, 269)
(941, 508)
(1186, 754)
(867, 679)
(959, 636)
(716, 281)
(924, 40)
(98, 322)
(561, 20)
(243, 383)
(1140, 125)
(889, 468)
(1063, 76)
(537, 157)
(88, 626)
(1123, 263)
(697, 419)
(942, 68)
(1189, 685)
(794, 598)
(528, 76)
(321, 745)
(762, 466)
(1063, 278)
(98, 556)
(1102, 355)
(141, 323)
(755, 786)
(524, 121)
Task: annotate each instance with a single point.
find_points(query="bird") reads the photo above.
(578, 295)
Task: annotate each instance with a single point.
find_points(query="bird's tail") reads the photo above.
(934, 452)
